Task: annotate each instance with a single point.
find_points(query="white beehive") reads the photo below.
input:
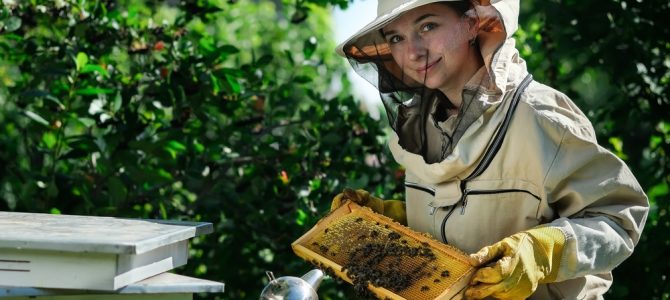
(89, 253)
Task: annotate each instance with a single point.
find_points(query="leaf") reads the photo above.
(177, 146)
(12, 24)
(147, 175)
(81, 60)
(289, 55)
(216, 87)
(237, 73)
(309, 46)
(233, 84)
(37, 118)
(207, 44)
(163, 211)
(228, 49)
(664, 127)
(94, 91)
(657, 191)
(12, 36)
(315, 184)
(174, 148)
(299, 15)
(301, 217)
(117, 102)
(35, 93)
(302, 79)
(264, 60)
(55, 100)
(85, 143)
(87, 122)
(172, 152)
(95, 68)
(165, 174)
(617, 143)
(49, 139)
(230, 84)
(199, 148)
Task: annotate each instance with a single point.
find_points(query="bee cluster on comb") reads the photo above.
(381, 258)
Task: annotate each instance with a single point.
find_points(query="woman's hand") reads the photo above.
(513, 267)
(393, 209)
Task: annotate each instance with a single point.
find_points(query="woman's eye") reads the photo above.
(394, 39)
(428, 26)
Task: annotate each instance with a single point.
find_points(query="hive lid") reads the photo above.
(71, 233)
(401, 263)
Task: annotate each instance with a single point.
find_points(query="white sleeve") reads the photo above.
(601, 207)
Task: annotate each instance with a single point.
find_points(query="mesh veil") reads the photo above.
(424, 119)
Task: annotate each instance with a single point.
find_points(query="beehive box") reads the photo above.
(382, 258)
(89, 253)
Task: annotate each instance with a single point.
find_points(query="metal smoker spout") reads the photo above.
(293, 288)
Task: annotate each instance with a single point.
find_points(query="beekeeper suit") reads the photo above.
(515, 177)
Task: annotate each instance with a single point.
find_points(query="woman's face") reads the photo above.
(431, 44)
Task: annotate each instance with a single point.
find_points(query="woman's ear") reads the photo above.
(472, 20)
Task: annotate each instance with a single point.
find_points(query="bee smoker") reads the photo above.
(293, 288)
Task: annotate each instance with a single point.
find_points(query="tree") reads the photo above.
(230, 113)
(611, 57)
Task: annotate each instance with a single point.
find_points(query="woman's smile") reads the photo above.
(427, 67)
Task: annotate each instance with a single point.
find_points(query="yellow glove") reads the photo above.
(521, 261)
(394, 209)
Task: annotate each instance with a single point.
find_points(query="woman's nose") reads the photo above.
(417, 49)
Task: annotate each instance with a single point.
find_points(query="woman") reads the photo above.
(496, 164)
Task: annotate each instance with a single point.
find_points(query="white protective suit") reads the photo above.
(547, 168)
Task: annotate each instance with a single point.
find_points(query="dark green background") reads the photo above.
(230, 112)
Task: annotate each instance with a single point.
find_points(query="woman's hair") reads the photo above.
(460, 7)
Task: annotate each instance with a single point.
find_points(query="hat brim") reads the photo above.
(368, 38)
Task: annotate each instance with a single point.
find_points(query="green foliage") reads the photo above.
(220, 112)
(232, 112)
(612, 58)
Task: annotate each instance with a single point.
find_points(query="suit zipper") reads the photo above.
(464, 201)
(419, 187)
(444, 223)
(490, 153)
(464, 193)
(487, 192)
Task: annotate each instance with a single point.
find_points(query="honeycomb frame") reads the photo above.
(311, 247)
